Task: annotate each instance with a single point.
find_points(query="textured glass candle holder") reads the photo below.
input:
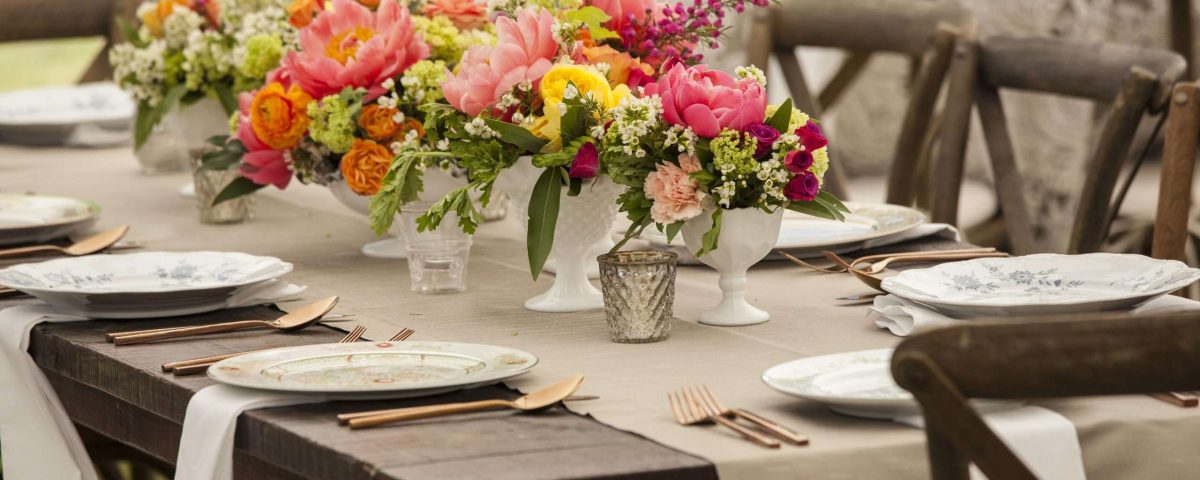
(639, 294)
(209, 183)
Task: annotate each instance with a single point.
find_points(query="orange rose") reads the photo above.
(465, 14)
(379, 122)
(364, 166)
(153, 19)
(301, 12)
(279, 117)
(620, 63)
(411, 124)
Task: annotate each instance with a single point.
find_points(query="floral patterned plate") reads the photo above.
(1041, 284)
(145, 272)
(374, 369)
(40, 218)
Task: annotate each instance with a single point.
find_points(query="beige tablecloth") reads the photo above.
(1122, 437)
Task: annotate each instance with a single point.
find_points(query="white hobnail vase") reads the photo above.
(747, 236)
(437, 184)
(583, 221)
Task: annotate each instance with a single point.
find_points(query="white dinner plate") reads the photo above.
(801, 234)
(1041, 284)
(365, 370)
(41, 218)
(52, 115)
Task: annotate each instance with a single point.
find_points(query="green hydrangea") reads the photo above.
(733, 154)
(263, 53)
(423, 82)
(233, 123)
(333, 119)
(442, 37)
(820, 163)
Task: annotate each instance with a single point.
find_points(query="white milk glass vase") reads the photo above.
(437, 184)
(583, 221)
(747, 236)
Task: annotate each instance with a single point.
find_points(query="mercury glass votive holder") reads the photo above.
(208, 184)
(639, 294)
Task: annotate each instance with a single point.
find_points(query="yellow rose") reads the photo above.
(585, 77)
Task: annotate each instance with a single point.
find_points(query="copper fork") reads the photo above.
(198, 365)
(688, 411)
(402, 335)
(768, 426)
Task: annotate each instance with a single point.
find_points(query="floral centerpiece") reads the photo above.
(343, 103)
(185, 51)
(533, 112)
(701, 152)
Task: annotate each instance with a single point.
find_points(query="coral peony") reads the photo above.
(261, 164)
(620, 10)
(465, 14)
(351, 46)
(622, 66)
(379, 122)
(676, 196)
(364, 166)
(523, 53)
(709, 101)
(279, 116)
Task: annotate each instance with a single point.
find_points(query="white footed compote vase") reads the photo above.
(747, 236)
(583, 221)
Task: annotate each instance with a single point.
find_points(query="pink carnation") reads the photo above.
(261, 164)
(676, 196)
(352, 46)
(524, 51)
(709, 100)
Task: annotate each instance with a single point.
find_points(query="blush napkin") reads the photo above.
(37, 439)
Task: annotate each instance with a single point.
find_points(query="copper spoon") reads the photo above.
(539, 400)
(297, 320)
(87, 246)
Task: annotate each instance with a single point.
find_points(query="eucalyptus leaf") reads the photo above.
(543, 216)
(516, 135)
(239, 187)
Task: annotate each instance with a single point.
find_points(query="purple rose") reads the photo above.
(586, 163)
(811, 136)
(798, 161)
(803, 187)
(766, 136)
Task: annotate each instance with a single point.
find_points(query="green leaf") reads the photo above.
(402, 184)
(815, 209)
(148, 117)
(575, 185)
(672, 230)
(829, 198)
(516, 135)
(837, 214)
(708, 242)
(218, 140)
(240, 186)
(222, 159)
(782, 118)
(594, 18)
(572, 122)
(227, 98)
(635, 229)
(130, 33)
(543, 215)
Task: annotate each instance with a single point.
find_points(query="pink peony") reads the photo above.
(261, 164)
(620, 9)
(352, 46)
(676, 196)
(709, 100)
(524, 51)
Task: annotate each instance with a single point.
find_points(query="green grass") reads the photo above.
(46, 62)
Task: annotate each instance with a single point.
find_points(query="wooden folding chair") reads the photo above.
(928, 31)
(48, 19)
(1100, 355)
(1134, 80)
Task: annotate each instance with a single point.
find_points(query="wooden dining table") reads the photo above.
(121, 394)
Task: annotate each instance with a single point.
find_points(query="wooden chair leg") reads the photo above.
(1178, 168)
(1183, 35)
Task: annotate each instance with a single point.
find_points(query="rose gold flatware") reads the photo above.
(1181, 399)
(345, 418)
(87, 246)
(802, 263)
(198, 365)
(840, 267)
(402, 335)
(536, 401)
(297, 320)
(872, 280)
(109, 337)
(707, 397)
(688, 411)
(881, 265)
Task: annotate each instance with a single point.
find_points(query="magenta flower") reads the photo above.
(586, 163)
(351, 46)
(798, 161)
(261, 164)
(709, 101)
(524, 51)
(803, 187)
(811, 136)
(766, 136)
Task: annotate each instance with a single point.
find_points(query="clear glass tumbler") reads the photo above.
(437, 259)
(209, 183)
(639, 294)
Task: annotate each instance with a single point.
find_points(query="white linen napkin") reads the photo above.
(904, 317)
(206, 447)
(37, 439)
(1044, 440)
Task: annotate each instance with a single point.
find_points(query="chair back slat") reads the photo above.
(1178, 168)
(46, 19)
(900, 26)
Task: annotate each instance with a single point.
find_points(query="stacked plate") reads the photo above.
(39, 218)
(358, 371)
(94, 114)
(147, 284)
(1041, 284)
